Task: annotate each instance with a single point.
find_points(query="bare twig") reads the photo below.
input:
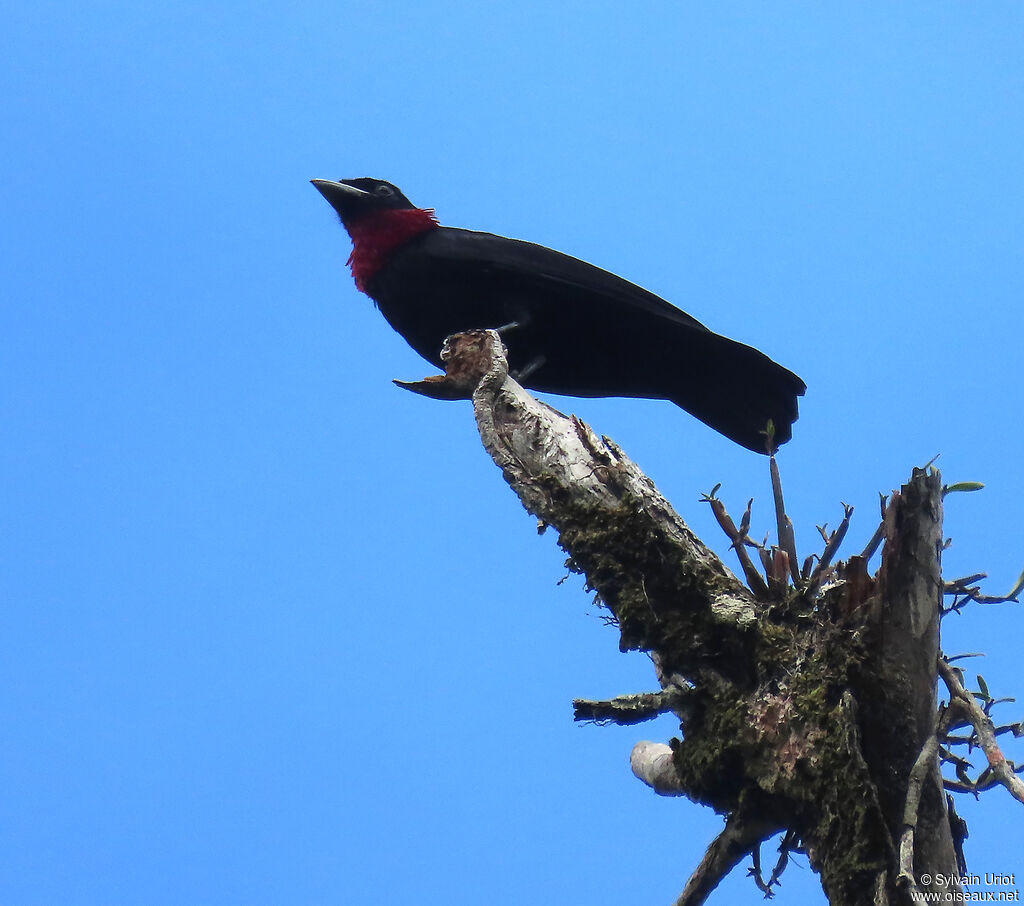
(832, 543)
(963, 581)
(915, 784)
(787, 541)
(1002, 771)
(739, 542)
(786, 846)
(630, 709)
(876, 538)
(836, 538)
(964, 590)
(737, 840)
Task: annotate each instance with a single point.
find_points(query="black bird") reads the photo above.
(573, 328)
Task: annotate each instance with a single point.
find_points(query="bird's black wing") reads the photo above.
(525, 263)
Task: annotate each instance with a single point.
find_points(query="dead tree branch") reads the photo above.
(737, 840)
(1002, 770)
(813, 714)
(631, 709)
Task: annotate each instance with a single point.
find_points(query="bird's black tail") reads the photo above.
(737, 390)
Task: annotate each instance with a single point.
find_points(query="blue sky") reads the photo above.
(275, 631)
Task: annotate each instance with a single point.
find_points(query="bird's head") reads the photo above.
(378, 217)
(356, 199)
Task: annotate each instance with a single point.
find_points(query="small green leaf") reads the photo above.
(983, 686)
(963, 486)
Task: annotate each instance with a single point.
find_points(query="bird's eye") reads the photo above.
(384, 191)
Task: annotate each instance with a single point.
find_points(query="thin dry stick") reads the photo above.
(787, 540)
(754, 581)
(985, 729)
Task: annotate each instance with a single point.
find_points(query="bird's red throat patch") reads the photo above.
(377, 234)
